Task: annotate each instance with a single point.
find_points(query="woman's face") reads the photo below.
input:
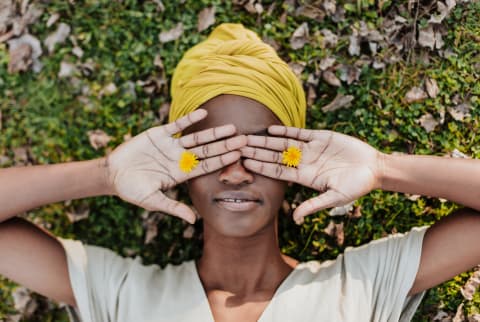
(234, 201)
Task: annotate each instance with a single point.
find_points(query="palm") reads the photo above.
(340, 167)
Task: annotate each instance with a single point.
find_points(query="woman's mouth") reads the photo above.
(237, 201)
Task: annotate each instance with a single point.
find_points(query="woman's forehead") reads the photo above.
(249, 116)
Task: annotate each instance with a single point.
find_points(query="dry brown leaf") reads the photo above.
(67, 69)
(460, 111)
(471, 286)
(354, 44)
(415, 94)
(330, 78)
(432, 87)
(79, 212)
(341, 210)
(98, 139)
(311, 95)
(77, 51)
(338, 102)
(349, 73)
(299, 37)
(160, 5)
(326, 63)
(357, 212)
(7, 14)
(163, 111)
(459, 316)
(297, 67)
(24, 52)
(335, 230)
(108, 90)
(474, 318)
(459, 155)
(428, 122)
(57, 37)
(53, 19)
(254, 7)
(20, 155)
(206, 18)
(330, 6)
(330, 40)
(188, 232)
(310, 11)
(172, 34)
(23, 302)
(442, 316)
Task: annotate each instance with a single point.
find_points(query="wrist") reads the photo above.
(382, 159)
(104, 185)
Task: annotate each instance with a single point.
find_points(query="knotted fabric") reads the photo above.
(234, 60)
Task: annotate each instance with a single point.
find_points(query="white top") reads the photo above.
(367, 283)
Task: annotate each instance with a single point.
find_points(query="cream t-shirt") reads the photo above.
(367, 283)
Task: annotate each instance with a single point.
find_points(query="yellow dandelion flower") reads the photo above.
(292, 156)
(188, 161)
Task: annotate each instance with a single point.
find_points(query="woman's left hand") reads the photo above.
(342, 168)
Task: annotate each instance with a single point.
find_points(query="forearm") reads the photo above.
(457, 180)
(25, 188)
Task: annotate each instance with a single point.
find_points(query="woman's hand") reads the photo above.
(140, 170)
(340, 167)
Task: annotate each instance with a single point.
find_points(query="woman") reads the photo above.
(241, 112)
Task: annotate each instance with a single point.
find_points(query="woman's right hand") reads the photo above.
(140, 170)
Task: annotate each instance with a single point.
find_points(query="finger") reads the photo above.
(184, 122)
(272, 170)
(273, 143)
(207, 135)
(292, 132)
(213, 164)
(157, 201)
(261, 154)
(328, 199)
(221, 147)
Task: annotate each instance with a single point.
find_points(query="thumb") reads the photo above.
(159, 202)
(328, 199)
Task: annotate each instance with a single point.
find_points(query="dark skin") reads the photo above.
(239, 245)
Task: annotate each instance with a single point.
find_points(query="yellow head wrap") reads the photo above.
(234, 60)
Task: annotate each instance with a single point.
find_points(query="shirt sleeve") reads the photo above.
(96, 276)
(389, 267)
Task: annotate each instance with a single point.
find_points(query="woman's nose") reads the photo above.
(235, 174)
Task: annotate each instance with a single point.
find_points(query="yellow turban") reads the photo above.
(234, 60)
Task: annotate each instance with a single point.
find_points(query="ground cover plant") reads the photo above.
(77, 78)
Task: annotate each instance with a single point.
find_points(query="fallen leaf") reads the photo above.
(331, 79)
(24, 52)
(53, 19)
(335, 230)
(157, 61)
(67, 69)
(338, 102)
(79, 212)
(297, 67)
(23, 302)
(299, 37)
(415, 94)
(354, 44)
(444, 10)
(311, 95)
(428, 122)
(474, 317)
(442, 316)
(108, 90)
(163, 112)
(172, 34)
(160, 5)
(357, 212)
(98, 139)
(460, 111)
(7, 14)
(20, 155)
(471, 286)
(57, 37)
(330, 6)
(206, 18)
(341, 210)
(253, 7)
(310, 11)
(188, 232)
(349, 73)
(432, 87)
(150, 221)
(457, 154)
(459, 316)
(330, 40)
(326, 63)
(77, 51)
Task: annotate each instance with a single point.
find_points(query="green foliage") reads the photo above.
(42, 112)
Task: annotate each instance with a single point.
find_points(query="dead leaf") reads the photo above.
(335, 230)
(326, 63)
(53, 19)
(172, 34)
(457, 154)
(24, 52)
(157, 61)
(354, 44)
(299, 37)
(188, 232)
(160, 5)
(20, 155)
(460, 111)
(444, 10)
(330, 6)
(459, 316)
(57, 37)
(7, 14)
(341, 210)
(432, 87)
(349, 73)
(442, 316)
(297, 67)
(67, 69)
(163, 112)
(98, 139)
(79, 212)
(357, 212)
(331, 79)
(108, 90)
(77, 51)
(330, 40)
(23, 302)
(474, 317)
(471, 286)
(428, 122)
(338, 102)
(254, 7)
(206, 18)
(311, 95)
(415, 94)
(310, 11)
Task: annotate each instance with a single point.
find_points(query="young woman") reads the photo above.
(238, 109)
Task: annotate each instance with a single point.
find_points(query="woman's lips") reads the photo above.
(237, 201)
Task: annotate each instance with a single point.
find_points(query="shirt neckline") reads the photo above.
(207, 307)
